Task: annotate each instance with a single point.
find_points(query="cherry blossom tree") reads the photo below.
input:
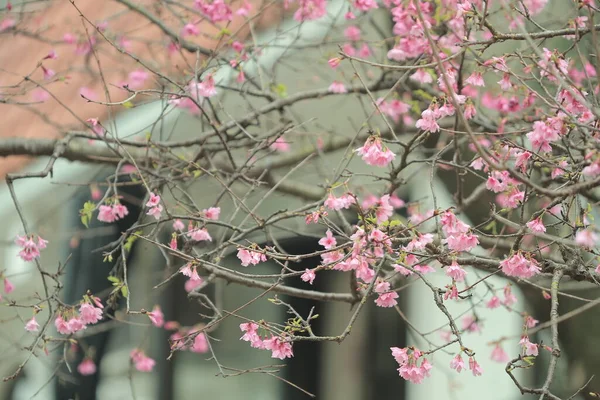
(493, 95)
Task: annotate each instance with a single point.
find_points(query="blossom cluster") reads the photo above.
(279, 347)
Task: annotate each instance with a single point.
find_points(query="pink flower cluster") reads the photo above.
(198, 234)
(310, 10)
(386, 297)
(374, 153)
(30, 246)
(215, 10)
(190, 270)
(156, 317)
(339, 203)
(155, 207)
(71, 321)
(112, 213)
(520, 266)
(87, 367)
(279, 347)
(196, 92)
(528, 348)
(141, 361)
(181, 338)
(458, 234)
(408, 359)
(248, 257)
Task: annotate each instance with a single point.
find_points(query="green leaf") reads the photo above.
(114, 279)
(128, 104)
(131, 240)
(124, 290)
(280, 89)
(108, 258)
(86, 213)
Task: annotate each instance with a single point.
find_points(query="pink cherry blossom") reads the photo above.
(334, 62)
(248, 257)
(308, 276)
(212, 213)
(536, 225)
(339, 203)
(494, 302)
(155, 212)
(528, 348)
(280, 144)
(509, 298)
(119, 211)
(457, 363)
(190, 271)
(200, 344)
(157, 317)
(61, 325)
(178, 225)
(374, 153)
(328, 241)
(387, 299)
(199, 235)
(310, 10)
(499, 355)
(428, 121)
(337, 87)
(87, 367)
(456, 272)
(141, 361)
(520, 266)
(105, 214)
(475, 367)
(190, 30)
(279, 348)
(586, 238)
(75, 324)
(32, 325)
(475, 79)
(89, 314)
(30, 249)
(153, 201)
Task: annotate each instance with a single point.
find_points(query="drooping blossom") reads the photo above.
(457, 363)
(141, 361)
(428, 121)
(178, 225)
(586, 238)
(248, 257)
(89, 314)
(32, 325)
(212, 213)
(456, 272)
(528, 348)
(499, 355)
(30, 246)
(280, 349)
(536, 225)
(308, 276)
(520, 266)
(339, 203)
(87, 367)
(475, 367)
(8, 286)
(408, 360)
(374, 153)
(157, 317)
(198, 234)
(337, 87)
